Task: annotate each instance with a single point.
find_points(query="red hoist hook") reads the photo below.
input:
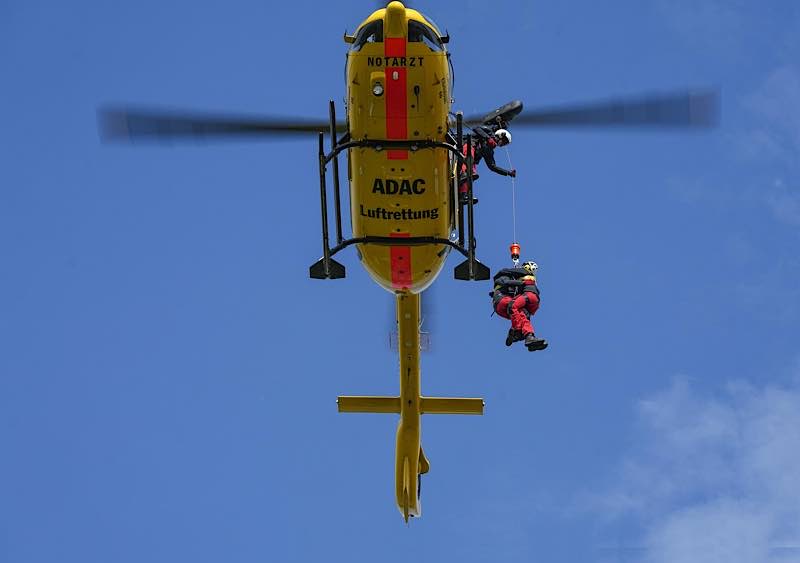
(515, 251)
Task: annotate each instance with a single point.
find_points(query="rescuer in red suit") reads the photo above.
(484, 143)
(516, 297)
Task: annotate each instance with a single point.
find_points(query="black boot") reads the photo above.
(533, 343)
(513, 336)
(463, 199)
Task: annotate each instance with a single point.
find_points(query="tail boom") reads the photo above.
(410, 461)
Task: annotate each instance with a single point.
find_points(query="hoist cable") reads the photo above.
(513, 198)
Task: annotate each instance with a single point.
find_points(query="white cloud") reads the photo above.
(723, 531)
(773, 140)
(784, 202)
(776, 102)
(771, 291)
(712, 24)
(769, 141)
(715, 479)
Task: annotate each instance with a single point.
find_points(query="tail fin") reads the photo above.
(406, 489)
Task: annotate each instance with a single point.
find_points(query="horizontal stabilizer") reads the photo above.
(369, 404)
(451, 405)
(428, 405)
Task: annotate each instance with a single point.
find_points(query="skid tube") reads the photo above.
(326, 267)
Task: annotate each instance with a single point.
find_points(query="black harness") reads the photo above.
(509, 283)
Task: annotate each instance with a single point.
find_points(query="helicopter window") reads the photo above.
(421, 33)
(370, 33)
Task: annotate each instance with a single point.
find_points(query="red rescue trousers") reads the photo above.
(519, 309)
(463, 187)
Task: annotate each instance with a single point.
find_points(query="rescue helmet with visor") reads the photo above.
(503, 137)
(530, 266)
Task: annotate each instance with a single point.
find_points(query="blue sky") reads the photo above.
(168, 372)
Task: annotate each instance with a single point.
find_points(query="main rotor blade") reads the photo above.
(121, 124)
(682, 109)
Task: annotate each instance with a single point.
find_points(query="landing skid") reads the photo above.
(471, 271)
(335, 270)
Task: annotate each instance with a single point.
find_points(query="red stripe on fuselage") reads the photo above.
(397, 128)
(396, 97)
(401, 264)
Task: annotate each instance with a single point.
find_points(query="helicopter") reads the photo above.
(404, 149)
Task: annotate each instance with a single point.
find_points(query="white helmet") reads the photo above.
(530, 267)
(501, 134)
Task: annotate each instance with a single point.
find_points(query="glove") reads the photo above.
(513, 173)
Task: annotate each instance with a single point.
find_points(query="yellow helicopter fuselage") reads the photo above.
(398, 88)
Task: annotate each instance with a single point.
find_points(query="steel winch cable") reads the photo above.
(513, 203)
